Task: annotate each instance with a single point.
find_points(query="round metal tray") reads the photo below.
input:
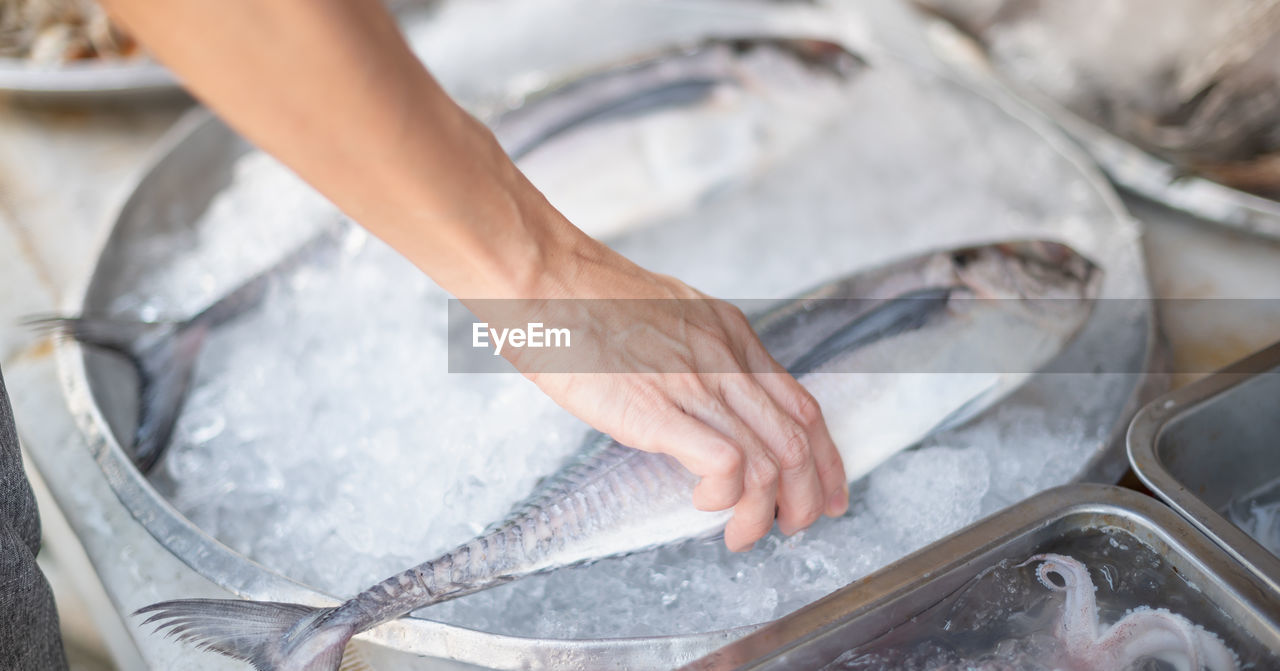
(859, 614)
(106, 79)
(137, 78)
(196, 163)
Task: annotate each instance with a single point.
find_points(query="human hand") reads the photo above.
(683, 374)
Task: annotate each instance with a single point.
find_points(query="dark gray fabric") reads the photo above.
(29, 638)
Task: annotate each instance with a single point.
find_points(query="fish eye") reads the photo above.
(964, 257)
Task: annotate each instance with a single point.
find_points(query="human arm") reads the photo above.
(331, 89)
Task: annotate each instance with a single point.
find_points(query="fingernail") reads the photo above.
(838, 504)
(786, 529)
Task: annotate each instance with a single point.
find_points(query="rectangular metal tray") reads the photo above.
(1201, 445)
(867, 609)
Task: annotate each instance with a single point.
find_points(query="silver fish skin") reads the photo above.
(629, 144)
(612, 500)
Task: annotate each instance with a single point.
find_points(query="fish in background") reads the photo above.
(1194, 81)
(1054, 616)
(962, 328)
(631, 143)
(613, 149)
(54, 32)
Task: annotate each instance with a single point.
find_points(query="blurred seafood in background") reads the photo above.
(1047, 613)
(51, 32)
(1142, 633)
(1196, 82)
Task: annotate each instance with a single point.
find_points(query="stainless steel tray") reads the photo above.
(86, 81)
(1199, 445)
(1127, 165)
(867, 609)
(138, 78)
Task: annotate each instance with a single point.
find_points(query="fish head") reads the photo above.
(1026, 269)
(1044, 282)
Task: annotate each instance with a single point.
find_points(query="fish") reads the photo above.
(661, 131)
(1201, 93)
(971, 324)
(164, 352)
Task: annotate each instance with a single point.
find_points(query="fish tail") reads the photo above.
(114, 334)
(269, 635)
(164, 354)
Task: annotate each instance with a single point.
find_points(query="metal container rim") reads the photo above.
(86, 80)
(963, 549)
(1143, 440)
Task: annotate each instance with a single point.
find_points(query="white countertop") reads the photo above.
(62, 173)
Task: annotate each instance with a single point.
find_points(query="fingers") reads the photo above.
(786, 421)
(799, 405)
(728, 413)
(801, 499)
(703, 450)
(753, 513)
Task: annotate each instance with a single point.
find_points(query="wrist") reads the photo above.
(471, 220)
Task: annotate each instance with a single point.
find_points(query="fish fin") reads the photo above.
(119, 335)
(167, 368)
(271, 636)
(352, 660)
(164, 354)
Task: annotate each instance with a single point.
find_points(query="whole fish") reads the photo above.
(983, 319)
(628, 144)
